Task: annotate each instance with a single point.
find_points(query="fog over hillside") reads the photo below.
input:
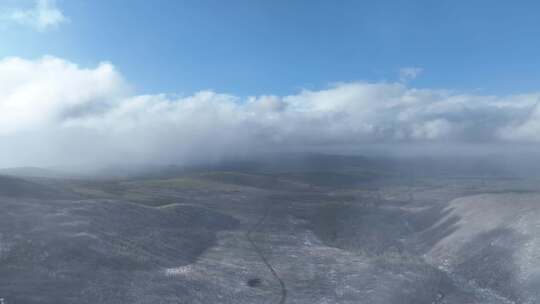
(91, 115)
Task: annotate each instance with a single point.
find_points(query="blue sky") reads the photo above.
(252, 47)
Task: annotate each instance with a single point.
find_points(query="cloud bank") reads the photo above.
(54, 112)
(42, 16)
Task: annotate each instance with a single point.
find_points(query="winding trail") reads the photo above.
(258, 250)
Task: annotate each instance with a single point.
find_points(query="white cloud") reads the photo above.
(409, 73)
(42, 16)
(53, 111)
(35, 94)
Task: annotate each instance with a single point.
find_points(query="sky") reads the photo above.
(96, 80)
(253, 47)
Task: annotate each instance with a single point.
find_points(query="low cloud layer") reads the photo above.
(54, 112)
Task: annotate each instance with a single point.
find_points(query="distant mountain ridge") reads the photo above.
(16, 187)
(33, 172)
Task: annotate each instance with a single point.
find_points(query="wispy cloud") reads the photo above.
(409, 73)
(43, 15)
